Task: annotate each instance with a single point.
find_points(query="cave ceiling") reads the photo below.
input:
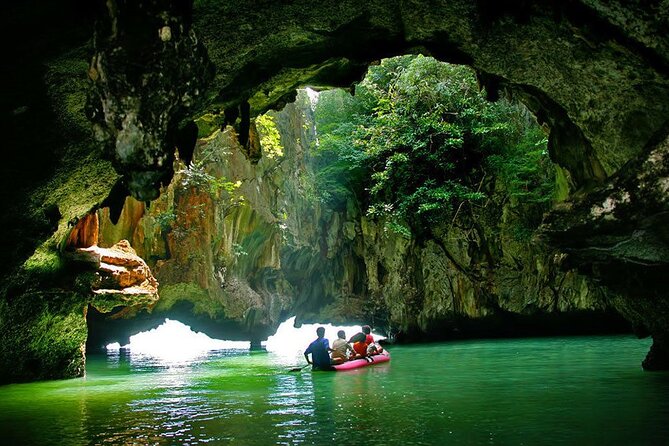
(595, 72)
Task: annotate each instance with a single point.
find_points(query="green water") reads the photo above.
(530, 391)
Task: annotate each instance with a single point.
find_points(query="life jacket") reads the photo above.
(360, 348)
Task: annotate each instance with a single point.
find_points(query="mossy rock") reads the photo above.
(42, 336)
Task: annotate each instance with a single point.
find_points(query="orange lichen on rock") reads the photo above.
(85, 232)
(127, 227)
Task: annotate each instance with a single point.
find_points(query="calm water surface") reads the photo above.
(530, 391)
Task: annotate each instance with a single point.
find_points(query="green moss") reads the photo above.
(42, 324)
(270, 140)
(82, 178)
(44, 262)
(105, 303)
(42, 336)
(173, 293)
(562, 188)
(67, 83)
(208, 124)
(58, 340)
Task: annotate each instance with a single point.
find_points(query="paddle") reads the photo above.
(297, 369)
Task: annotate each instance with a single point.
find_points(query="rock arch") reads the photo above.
(596, 72)
(583, 68)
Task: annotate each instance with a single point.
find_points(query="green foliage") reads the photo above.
(419, 139)
(270, 139)
(238, 250)
(398, 228)
(218, 185)
(166, 219)
(525, 168)
(339, 161)
(196, 175)
(525, 171)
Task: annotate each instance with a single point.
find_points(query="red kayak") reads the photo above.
(363, 362)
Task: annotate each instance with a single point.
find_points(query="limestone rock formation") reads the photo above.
(219, 254)
(600, 89)
(123, 278)
(84, 233)
(236, 268)
(147, 70)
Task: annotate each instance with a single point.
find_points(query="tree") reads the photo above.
(419, 138)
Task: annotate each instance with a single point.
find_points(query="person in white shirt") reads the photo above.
(341, 350)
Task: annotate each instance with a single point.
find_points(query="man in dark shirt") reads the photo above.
(320, 352)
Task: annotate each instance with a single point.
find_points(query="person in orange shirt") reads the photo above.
(363, 343)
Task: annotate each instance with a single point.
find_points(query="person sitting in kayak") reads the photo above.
(362, 342)
(320, 352)
(372, 347)
(341, 350)
(367, 330)
(359, 345)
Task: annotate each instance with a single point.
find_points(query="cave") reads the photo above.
(111, 105)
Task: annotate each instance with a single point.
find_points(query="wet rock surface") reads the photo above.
(619, 234)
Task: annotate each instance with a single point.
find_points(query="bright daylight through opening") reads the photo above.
(174, 340)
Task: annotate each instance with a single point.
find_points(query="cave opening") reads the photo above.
(175, 342)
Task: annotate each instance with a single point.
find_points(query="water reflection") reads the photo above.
(172, 401)
(290, 408)
(581, 391)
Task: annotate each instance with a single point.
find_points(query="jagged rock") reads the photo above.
(148, 69)
(624, 225)
(84, 233)
(657, 358)
(236, 270)
(600, 90)
(122, 274)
